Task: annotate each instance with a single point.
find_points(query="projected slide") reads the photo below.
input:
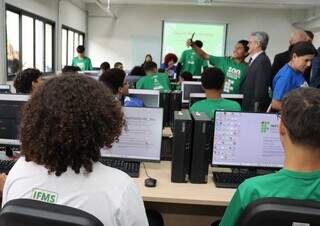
(175, 36)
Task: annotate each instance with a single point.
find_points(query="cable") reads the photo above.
(145, 170)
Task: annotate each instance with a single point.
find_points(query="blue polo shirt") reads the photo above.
(286, 80)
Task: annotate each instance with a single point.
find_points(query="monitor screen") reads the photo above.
(247, 139)
(10, 109)
(190, 87)
(141, 137)
(151, 98)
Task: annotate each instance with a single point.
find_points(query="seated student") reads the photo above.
(212, 81)
(169, 64)
(137, 71)
(300, 177)
(63, 127)
(118, 65)
(185, 76)
(154, 79)
(105, 66)
(115, 80)
(147, 58)
(82, 61)
(70, 69)
(291, 75)
(27, 80)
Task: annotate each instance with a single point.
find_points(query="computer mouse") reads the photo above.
(150, 182)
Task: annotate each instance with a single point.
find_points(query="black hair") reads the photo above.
(302, 49)
(150, 66)
(117, 64)
(198, 43)
(212, 78)
(310, 34)
(70, 69)
(80, 49)
(300, 114)
(24, 79)
(244, 43)
(114, 79)
(186, 75)
(105, 66)
(137, 70)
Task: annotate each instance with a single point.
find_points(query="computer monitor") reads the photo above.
(194, 97)
(151, 98)
(243, 139)
(188, 87)
(5, 88)
(141, 137)
(10, 109)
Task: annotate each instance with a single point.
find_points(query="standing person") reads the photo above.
(282, 58)
(82, 61)
(63, 127)
(290, 75)
(169, 64)
(153, 79)
(191, 62)
(300, 177)
(234, 67)
(148, 58)
(315, 79)
(258, 80)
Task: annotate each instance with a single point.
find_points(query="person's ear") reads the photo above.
(282, 128)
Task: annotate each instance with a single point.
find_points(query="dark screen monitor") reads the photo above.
(10, 109)
(243, 139)
(188, 87)
(5, 88)
(141, 137)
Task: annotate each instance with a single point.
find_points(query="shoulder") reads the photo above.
(198, 105)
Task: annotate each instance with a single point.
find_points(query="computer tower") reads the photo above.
(201, 147)
(175, 104)
(164, 103)
(181, 146)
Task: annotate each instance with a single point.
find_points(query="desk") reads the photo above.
(182, 204)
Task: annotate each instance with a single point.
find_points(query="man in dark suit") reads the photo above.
(282, 58)
(256, 85)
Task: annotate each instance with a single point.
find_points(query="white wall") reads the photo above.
(72, 16)
(119, 40)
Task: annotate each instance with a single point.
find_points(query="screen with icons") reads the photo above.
(247, 139)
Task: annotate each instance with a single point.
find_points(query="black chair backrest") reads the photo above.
(27, 212)
(281, 212)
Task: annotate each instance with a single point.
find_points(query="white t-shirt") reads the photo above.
(107, 193)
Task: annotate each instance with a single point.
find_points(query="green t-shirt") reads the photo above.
(283, 184)
(84, 64)
(158, 81)
(191, 62)
(209, 106)
(235, 73)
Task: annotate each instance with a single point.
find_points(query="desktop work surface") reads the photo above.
(180, 193)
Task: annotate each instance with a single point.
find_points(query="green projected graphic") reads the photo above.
(175, 36)
(265, 127)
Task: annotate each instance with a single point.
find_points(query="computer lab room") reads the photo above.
(160, 112)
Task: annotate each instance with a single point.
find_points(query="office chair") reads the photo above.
(27, 212)
(281, 212)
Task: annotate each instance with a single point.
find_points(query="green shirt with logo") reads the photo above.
(283, 184)
(84, 64)
(156, 81)
(209, 106)
(192, 63)
(235, 73)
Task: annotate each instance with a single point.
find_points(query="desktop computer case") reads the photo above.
(181, 146)
(202, 146)
(175, 104)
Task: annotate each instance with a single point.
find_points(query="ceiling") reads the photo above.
(289, 4)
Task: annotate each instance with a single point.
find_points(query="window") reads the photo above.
(71, 39)
(29, 41)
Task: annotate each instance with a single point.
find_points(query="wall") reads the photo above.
(60, 11)
(138, 26)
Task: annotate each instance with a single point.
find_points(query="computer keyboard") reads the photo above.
(231, 180)
(6, 165)
(129, 167)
